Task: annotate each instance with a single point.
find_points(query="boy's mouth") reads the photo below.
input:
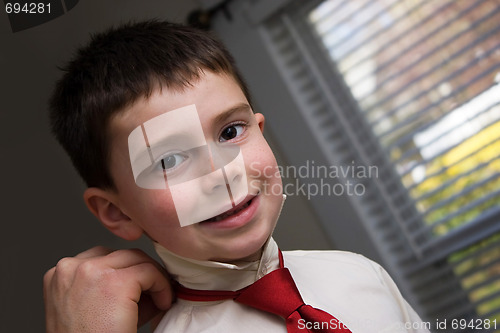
(233, 211)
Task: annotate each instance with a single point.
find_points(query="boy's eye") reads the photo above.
(231, 132)
(172, 161)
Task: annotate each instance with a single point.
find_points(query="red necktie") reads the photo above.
(275, 293)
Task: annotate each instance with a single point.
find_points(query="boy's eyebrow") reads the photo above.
(242, 107)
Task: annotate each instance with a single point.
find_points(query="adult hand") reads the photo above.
(100, 290)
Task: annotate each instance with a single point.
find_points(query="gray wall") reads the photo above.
(44, 217)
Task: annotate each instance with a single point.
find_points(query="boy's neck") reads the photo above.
(210, 275)
(253, 257)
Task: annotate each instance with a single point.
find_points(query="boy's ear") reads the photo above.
(260, 121)
(103, 205)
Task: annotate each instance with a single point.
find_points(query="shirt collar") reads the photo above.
(213, 275)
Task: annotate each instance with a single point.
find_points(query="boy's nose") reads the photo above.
(214, 182)
(228, 170)
(236, 179)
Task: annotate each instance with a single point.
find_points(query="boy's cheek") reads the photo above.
(155, 204)
(265, 178)
(263, 169)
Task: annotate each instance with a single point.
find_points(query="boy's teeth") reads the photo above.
(227, 214)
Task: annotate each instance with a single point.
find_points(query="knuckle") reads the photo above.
(93, 271)
(65, 265)
(88, 269)
(61, 275)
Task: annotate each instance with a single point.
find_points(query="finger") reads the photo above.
(96, 251)
(129, 257)
(152, 281)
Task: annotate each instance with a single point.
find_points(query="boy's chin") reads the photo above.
(251, 251)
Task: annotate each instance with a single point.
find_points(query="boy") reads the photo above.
(159, 124)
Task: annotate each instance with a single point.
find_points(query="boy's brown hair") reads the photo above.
(117, 68)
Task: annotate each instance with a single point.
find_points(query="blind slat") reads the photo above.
(417, 234)
(411, 135)
(444, 198)
(415, 116)
(458, 177)
(427, 55)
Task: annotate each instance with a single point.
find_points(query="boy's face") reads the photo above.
(216, 107)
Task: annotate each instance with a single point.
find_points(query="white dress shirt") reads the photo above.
(353, 289)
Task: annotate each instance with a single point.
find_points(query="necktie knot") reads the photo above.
(276, 293)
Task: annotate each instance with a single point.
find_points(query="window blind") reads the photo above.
(412, 87)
